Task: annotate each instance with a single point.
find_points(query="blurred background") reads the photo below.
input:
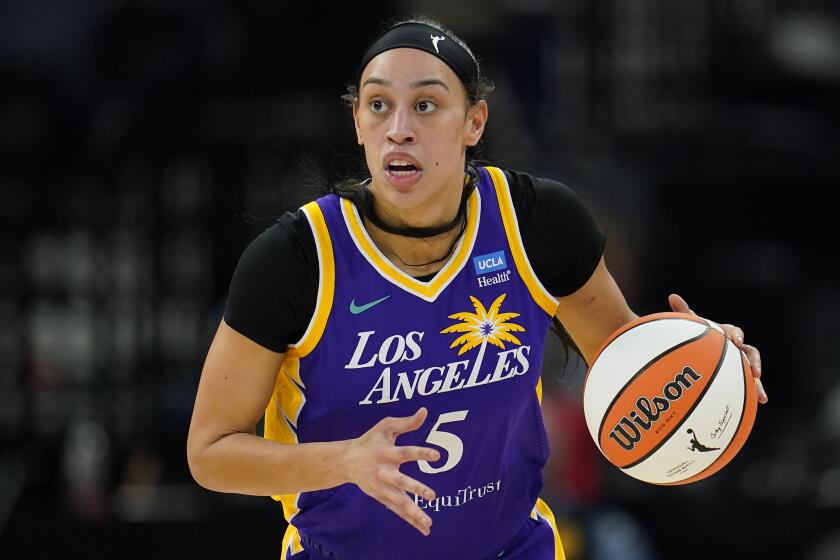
(144, 143)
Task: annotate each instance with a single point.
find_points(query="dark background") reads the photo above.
(141, 140)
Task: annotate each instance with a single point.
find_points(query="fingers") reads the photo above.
(679, 305)
(402, 505)
(736, 335)
(733, 333)
(376, 461)
(400, 425)
(407, 453)
(408, 484)
(753, 357)
(762, 394)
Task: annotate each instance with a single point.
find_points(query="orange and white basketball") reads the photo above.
(669, 399)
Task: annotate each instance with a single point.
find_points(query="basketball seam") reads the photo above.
(688, 412)
(610, 341)
(740, 420)
(644, 368)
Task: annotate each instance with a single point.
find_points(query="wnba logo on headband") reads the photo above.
(413, 35)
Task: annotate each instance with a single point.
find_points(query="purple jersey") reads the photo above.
(467, 345)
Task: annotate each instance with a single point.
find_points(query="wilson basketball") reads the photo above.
(669, 399)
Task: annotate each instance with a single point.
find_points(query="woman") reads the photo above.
(414, 307)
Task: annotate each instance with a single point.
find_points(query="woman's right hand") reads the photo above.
(372, 463)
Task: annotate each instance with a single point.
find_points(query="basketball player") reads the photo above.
(392, 335)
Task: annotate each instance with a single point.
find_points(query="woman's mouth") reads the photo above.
(402, 173)
(402, 168)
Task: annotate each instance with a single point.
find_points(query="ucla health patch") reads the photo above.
(491, 262)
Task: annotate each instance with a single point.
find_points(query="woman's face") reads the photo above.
(414, 122)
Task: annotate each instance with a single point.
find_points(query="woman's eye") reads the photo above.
(377, 106)
(425, 106)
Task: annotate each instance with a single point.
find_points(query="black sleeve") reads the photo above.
(561, 238)
(274, 287)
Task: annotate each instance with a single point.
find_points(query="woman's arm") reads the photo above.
(223, 450)
(226, 455)
(598, 309)
(594, 311)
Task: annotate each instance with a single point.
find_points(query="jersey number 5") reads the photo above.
(450, 442)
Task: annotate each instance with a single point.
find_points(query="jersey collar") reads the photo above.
(430, 290)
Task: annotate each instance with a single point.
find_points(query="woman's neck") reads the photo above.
(416, 256)
(415, 250)
(439, 211)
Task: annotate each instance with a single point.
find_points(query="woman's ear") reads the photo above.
(359, 139)
(476, 120)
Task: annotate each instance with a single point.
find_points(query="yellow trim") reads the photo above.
(281, 415)
(545, 513)
(538, 292)
(291, 537)
(428, 291)
(539, 390)
(326, 283)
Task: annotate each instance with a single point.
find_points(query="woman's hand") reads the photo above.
(736, 335)
(372, 462)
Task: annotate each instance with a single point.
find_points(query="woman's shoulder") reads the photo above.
(273, 287)
(559, 233)
(290, 236)
(532, 194)
(282, 258)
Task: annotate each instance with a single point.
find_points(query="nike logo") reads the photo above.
(356, 309)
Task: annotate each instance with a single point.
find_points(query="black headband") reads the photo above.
(425, 38)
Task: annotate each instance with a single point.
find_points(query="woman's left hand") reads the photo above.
(736, 335)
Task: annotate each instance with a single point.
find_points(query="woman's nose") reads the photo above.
(401, 130)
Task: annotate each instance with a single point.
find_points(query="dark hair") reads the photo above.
(569, 346)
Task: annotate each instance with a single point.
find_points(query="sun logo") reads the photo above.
(482, 327)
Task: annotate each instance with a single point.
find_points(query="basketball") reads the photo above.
(669, 399)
